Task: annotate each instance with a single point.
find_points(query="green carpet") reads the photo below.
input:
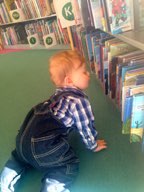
(24, 81)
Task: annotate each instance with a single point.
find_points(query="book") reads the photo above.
(134, 72)
(127, 87)
(90, 13)
(115, 50)
(124, 60)
(137, 89)
(96, 13)
(85, 15)
(77, 13)
(137, 118)
(105, 21)
(126, 125)
(120, 15)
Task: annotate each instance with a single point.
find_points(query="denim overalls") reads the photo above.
(42, 143)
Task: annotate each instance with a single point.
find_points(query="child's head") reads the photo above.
(68, 68)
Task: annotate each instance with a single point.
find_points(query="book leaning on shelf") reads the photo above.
(131, 87)
(137, 118)
(120, 15)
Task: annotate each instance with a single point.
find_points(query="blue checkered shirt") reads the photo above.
(76, 112)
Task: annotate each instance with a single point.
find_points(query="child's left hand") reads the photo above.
(101, 144)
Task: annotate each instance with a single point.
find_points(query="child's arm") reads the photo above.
(101, 144)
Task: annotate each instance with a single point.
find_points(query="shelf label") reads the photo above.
(17, 15)
(49, 40)
(33, 40)
(64, 11)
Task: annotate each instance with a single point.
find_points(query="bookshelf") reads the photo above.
(39, 22)
(28, 20)
(115, 54)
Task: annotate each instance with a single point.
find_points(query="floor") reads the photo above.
(24, 81)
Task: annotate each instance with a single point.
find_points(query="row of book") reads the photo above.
(112, 15)
(120, 69)
(19, 33)
(19, 10)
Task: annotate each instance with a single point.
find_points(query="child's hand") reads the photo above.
(101, 144)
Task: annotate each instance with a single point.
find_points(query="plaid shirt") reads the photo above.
(76, 112)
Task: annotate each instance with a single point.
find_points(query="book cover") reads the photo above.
(90, 53)
(77, 13)
(126, 125)
(137, 89)
(105, 22)
(115, 50)
(96, 13)
(137, 118)
(124, 60)
(83, 6)
(128, 86)
(91, 32)
(90, 12)
(120, 15)
(134, 72)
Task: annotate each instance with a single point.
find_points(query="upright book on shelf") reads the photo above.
(137, 118)
(120, 15)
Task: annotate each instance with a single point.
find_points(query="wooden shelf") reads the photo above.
(28, 20)
(26, 46)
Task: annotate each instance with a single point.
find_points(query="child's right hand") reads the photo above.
(101, 144)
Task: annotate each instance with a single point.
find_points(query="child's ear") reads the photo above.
(68, 80)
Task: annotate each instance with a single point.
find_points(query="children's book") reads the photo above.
(124, 60)
(98, 54)
(137, 89)
(134, 72)
(127, 115)
(115, 50)
(120, 15)
(90, 12)
(137, 118)
(86, 19)
(105, 21)
(88, 37)
(95, 42)
(77, 13)
(96, 13)
(84, 44)
(128, 88)
(127, 68)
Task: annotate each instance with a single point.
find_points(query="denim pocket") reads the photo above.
(72, 169)
(49, 150)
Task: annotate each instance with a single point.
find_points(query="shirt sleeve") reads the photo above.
(84, 121)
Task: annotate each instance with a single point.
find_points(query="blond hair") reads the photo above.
(63, 63)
